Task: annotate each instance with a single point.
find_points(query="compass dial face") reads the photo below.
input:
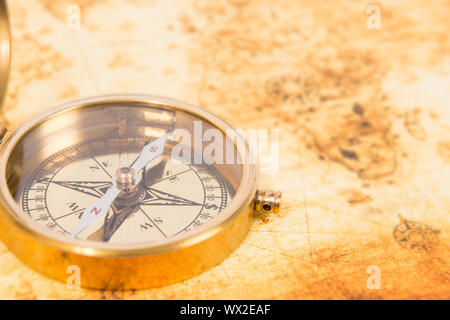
(171, 197)
(107, 174)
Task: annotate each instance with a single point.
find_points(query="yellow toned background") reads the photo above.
(364, 119)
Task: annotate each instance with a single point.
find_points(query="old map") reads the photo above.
(359, 92)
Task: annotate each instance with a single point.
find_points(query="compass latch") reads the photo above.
(267, 201)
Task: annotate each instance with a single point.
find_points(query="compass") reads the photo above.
(137, 191)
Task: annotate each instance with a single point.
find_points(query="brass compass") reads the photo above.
(121, 187)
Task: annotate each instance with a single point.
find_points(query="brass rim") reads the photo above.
(244, 194)
(5, 51)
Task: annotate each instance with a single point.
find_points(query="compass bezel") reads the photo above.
(242, 200)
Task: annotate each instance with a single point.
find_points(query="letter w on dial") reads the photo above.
(100, 207)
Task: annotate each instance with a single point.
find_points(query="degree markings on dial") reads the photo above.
(54, 162)
(223, 202)
(48, 171)
(65, 156)
(46, 180)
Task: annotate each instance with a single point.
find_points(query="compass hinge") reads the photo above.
(267, 201)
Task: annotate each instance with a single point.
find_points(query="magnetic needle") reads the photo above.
(121, 187)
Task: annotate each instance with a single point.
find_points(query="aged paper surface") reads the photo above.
(363, 113)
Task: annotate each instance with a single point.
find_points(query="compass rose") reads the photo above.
(154, 197)
(151, 197)
(92, 188)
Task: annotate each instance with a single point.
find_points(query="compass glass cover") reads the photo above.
(68, 161)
